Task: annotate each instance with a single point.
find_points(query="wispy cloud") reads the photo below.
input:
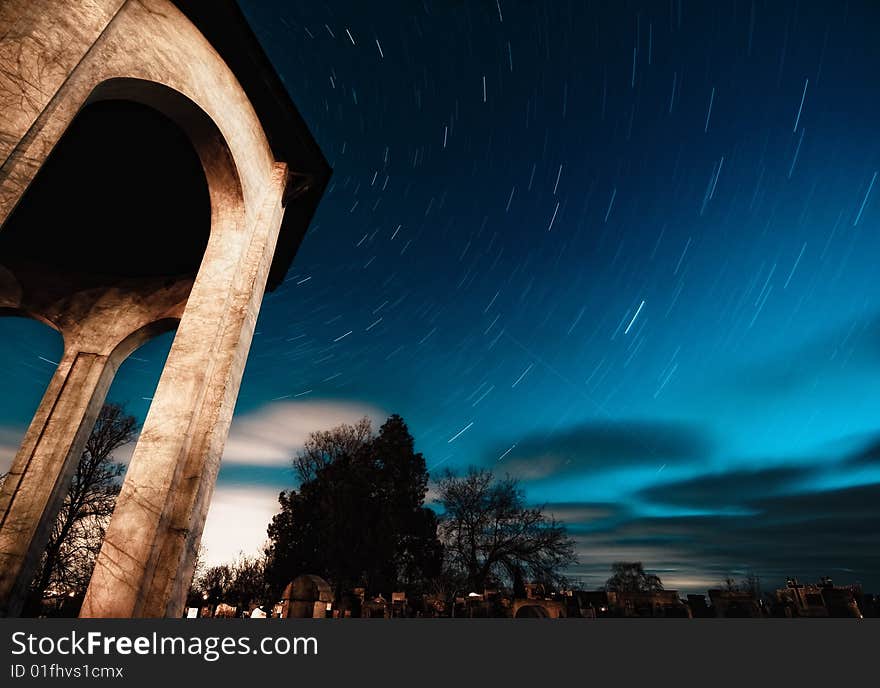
(805, 535)
(237, 522)
(581, 513)
(271, 435)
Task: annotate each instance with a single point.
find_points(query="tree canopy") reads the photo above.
(240, 583)
(358, 516)
(630, 576)
(490, 534)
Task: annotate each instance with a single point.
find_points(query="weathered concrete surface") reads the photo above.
(155, 531)
(100, 326)
(39, 48)
(40, 475)
(54, 57)
(149, 40)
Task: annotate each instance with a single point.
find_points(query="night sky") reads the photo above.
(626, 253)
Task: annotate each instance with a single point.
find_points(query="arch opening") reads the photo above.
(123, 193)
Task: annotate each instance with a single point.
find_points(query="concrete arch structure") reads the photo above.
(198, 64)
(306, 597)
(527, 608)
(531, 611)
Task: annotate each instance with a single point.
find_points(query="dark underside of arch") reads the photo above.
(122, 194)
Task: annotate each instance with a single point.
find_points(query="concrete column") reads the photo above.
(43, 468)
(146, 562)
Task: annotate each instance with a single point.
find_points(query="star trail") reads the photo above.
(625, 252)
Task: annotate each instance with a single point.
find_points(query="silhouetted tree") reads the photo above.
(750, 583)
(239, 583)
(323, 447)
(67, 562)
(358, 516)
(489, 533)
(213, 585)
(630, 576)
(248, 582)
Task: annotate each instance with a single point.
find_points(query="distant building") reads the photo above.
(735, 604)
(818, 601)
(658, 604)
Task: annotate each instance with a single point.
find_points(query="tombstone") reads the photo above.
(376, 608)
(307, 597)
(225, 611)
(398, 604)
(350, 603)
(182, 142)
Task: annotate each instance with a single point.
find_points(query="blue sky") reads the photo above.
(626, 254)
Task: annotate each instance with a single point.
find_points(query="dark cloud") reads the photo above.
(806, 535)
(723, 490)
(832, 532)
(780, 531)
(592, 446)
(850, 513)
(752, 487)
(869, 455)
(759, 519)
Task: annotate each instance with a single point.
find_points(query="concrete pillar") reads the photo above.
(40, 475)
(147, 559)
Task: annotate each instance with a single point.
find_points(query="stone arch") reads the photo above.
(227, 206)
(121, 185)
(71, 298)
(306, 597)
(218, 163)
(142, 335)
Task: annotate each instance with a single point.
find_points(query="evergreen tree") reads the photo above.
(358, 516)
